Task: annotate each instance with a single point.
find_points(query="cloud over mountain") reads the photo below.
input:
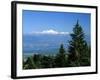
(50, 31)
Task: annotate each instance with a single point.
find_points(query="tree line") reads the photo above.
(78, 54)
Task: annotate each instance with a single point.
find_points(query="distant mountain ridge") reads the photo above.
(45, 43)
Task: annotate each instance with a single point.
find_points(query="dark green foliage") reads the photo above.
(78, 48)
(37, 60)
(85, 59)
(47, 62)
(61, 59)
(29, 64)
(62, 50)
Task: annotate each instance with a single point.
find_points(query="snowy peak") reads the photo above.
(50, 31)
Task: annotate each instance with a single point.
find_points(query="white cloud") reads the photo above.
(50, 31)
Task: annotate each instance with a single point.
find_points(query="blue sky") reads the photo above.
(43, 21)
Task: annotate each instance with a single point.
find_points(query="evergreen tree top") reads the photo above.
(61, 50)
(77, 24)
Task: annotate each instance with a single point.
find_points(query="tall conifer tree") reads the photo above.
(61, 57)
(77, 47)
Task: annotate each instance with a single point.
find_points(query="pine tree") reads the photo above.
(60, 59)
(29, 64)
(37, 60)
(47, 62)
(77, 46)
